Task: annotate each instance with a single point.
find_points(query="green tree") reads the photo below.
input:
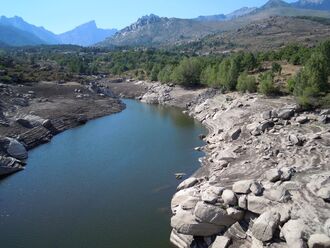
(312, 80)
(209, 76)
(188, 72)
(246, 83)
(165, 74)
(228, 73)
(266, 85)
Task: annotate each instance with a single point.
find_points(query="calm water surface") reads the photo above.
(106, 184)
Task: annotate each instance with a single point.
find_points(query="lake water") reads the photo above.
(105, 184)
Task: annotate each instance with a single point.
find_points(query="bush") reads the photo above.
(188, 72)
(209, 76)
(246, 83)
(228, 73)
(311, 81)
(164, 75)
(276, 68)
(266, 85)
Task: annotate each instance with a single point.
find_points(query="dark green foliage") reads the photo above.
(209, 76)
(165, 74)
(312, 80)
(276, 68)
(188, 72)
(229, 70)
(246, 83)
(249, 61)
(266, 85)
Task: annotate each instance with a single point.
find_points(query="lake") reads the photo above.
(108, 183)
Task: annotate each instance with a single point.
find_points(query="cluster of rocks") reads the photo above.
(264, 180)
(157, 94)
(249, 214)
(12, 155)
(100, 90)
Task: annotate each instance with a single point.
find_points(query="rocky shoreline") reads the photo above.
(30, 115)
(265, 179)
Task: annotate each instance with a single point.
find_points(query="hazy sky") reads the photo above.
(62, 15)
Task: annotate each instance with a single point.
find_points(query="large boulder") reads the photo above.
(221, 242)
(229, 197)
(10, 165)
(285, 114)
(257, 204)
(184, 222)
(319, 241)
(16, 149)
(242, 187)
(273, 175)
(207, 213)
(183, 197)
(188, 183)
(293, 232)
(30, 121)
(264, 227)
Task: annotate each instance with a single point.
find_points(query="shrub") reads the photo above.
(228, 73)
(246, 83)
(276, 68)
(209, 76)
(188, 72)
(164, 75)
(266, 85)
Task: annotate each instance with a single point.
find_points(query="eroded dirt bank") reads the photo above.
(265, 180)
(32, 115)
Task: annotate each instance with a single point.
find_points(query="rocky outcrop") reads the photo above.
(269, 165)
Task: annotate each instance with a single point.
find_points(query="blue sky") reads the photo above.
(62, 15)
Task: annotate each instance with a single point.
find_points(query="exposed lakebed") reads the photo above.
(106, 184)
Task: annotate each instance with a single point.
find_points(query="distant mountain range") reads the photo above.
(158, 31)
(86, 35)
(17, 32)
(155, 31)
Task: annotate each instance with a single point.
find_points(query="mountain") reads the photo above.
(15, 37)
(40, 32)
(275, 4)
(85, 35)
(152, 30)
(155, 31)
(263, 35)
(313, 4)
(221, 17)
(240, 12)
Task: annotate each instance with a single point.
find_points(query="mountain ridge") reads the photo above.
(84, 35)
(155, 31)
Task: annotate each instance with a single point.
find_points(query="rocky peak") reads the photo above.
(275, 3)
(90, 25)
(313, 4)
(143, 21)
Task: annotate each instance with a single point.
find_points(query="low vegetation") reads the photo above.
(241, 71)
